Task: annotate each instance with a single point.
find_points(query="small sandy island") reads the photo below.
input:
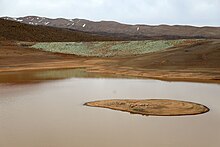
(153, 107)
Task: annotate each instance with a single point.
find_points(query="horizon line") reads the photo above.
(120, 22)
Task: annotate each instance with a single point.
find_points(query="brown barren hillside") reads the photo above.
(11, 30)
(132, 32)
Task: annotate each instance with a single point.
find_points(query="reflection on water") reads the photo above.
(52, 114)
(43, 75)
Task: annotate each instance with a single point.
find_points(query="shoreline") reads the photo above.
(163, 75)
(175, 64)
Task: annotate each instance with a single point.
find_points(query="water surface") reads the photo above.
(51, 114)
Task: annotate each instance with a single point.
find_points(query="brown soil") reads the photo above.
(200, 63)
(154, 107)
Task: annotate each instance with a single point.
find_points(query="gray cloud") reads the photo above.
(192, 12)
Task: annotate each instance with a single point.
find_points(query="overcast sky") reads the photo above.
(190, 12)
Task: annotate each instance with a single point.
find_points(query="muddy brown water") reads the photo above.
(51, 114)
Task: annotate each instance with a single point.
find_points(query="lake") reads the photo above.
(52, 114)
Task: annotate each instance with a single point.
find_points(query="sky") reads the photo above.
(152, 12)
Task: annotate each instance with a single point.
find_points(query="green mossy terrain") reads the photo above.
(108, 48)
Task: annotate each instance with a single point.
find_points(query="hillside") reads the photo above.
(113, 48)
(12, 30)
(132, 32)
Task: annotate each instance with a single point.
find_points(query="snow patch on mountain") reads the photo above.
(41, 20)
(46, 23)
(19, 20)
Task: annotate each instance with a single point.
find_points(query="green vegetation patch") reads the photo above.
(108, 48)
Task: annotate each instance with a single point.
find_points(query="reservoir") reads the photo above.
(51, 114)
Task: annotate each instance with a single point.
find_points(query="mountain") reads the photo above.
(13, 30)
(115, 29)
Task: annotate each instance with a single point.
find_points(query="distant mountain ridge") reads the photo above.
(114, 29)
(16, 31)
